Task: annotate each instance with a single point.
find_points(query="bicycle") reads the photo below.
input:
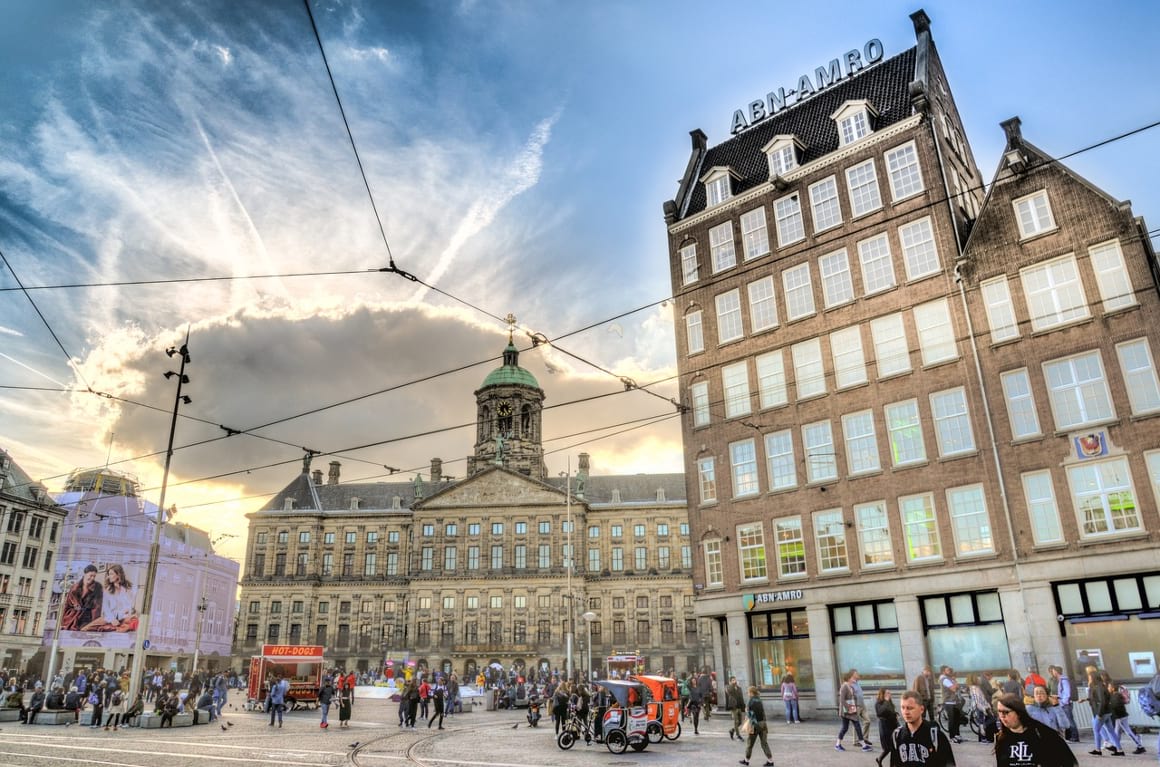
(974, 716)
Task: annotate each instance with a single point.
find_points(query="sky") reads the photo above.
(518, 155)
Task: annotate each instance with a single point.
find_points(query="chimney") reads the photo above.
(1011, 128)
(581, 475)
(436, 470)
(317, 476)
(334, 467)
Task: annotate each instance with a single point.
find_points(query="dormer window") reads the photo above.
(718, 185)
(783, 153)
(855, 120)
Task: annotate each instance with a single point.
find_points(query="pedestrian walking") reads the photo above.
(438, 701)
(789, 695)
(916, 741)
(346, 703)
(1025, 742)
(325, 697)
(276, 700)
(850, 708)
(887, 718)
(758, 728)
(735, 705)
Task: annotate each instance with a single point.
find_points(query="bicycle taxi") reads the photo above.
(625, 723)
(664, 707)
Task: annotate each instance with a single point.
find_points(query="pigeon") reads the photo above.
(229, 724)
(516, 725)
(354, 745)
(223, 728)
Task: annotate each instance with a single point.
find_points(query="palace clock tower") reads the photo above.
(508, 409)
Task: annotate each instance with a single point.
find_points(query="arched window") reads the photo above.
(526, 422)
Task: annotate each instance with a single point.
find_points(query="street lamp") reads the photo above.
(568, 567)
(588, 618)
(201, 607)
(155, 549)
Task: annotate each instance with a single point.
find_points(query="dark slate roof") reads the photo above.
(634, 488)
(885, 86)
(15, 483)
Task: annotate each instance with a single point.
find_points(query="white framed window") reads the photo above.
(721, 247)
(1152, 459)
(1020, 404)
(825, 205)
(729, 316)
(699, 394)
(799, 291)
(718, 189)
(853, 126)
(1042, 510)
(920, 528)
(936, 336)
(830, 534)
(970, 521)
(862, 181)
(919, 253)
(952, 422)
(735, 384)
(1000, 310)
(1033, 213)
(874, 534)
(689, 271)
(809, 372)
(714, 565)
(1054, 293)
(818, 443)
(780, 459)
(905, 429)
(837, 284)
(1112, 276)
(849, 361)
(788, 211)
(771, 387)
(782, 158)
(754, 234)
(1079, 390)
(861, 442)
(890, 345)
(877, 264)
(905, 176)
(1104, 498)
(1139, 372)
(762, 305)
(751, 552)
(707, 479)
(791, 547)
(743, 459)
(694, 332)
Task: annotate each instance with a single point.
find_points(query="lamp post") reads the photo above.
(201, 607)
(588, 618)
(155, 549)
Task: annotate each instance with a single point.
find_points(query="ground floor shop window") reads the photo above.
(780, 645)
(866, 638)
(965, 631)
(1111, 623)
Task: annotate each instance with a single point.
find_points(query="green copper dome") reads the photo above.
(510, 372)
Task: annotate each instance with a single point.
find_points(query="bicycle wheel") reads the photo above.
(942, 719)
(566, 740)
(975, 720)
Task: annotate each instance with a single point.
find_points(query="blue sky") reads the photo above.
(519, 153)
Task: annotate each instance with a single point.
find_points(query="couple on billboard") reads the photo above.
(89, 606)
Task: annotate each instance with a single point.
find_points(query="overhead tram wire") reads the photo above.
(76, 369)
(180, 280)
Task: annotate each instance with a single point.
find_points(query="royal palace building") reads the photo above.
(457, 575)
(923, 413)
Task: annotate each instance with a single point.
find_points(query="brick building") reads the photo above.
(857, 499)
(459, 574)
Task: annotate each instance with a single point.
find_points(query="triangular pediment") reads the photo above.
(494, 486)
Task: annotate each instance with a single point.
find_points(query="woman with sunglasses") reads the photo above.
(1024, 742)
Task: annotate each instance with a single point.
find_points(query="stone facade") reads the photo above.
(31, 526)
(460, 574)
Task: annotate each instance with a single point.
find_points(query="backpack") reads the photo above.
(94, 699)
(1149, 702)
(116, 699)
(1125, 694)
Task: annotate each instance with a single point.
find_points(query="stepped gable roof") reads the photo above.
(634, 488)
(885, 85)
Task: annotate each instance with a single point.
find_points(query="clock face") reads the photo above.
(504, 409)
